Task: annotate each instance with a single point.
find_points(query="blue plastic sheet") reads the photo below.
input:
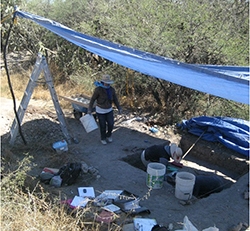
(229, 82)
(231, 132)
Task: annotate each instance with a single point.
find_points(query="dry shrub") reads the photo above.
(23, 208)
(19, 83)
(21, 211)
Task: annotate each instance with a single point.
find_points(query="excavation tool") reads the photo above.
(180, 165)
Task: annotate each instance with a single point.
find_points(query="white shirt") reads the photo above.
(102, 110)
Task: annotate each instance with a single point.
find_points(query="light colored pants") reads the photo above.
(144, 161)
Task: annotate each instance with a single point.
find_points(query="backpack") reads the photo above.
(69, 173)
(45, 177)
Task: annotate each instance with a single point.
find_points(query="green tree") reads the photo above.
(192, 31)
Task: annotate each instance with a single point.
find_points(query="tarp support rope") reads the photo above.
(8, 16)
(9, 82)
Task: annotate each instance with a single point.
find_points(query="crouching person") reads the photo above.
(161, 153)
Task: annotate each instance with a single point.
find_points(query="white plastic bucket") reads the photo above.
(155, 175)
(88, 123)
(184, 185)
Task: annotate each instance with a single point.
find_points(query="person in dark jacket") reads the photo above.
(161, 153)
(208, 184)
(105, 96)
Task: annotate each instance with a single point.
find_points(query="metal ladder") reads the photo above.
(40, 65)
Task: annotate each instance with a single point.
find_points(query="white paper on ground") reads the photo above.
(112, 208)
(86, 192)
(144, 224)
(79, 201)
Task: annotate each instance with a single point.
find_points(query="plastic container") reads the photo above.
(56, 181)
(89, 123)
(155, 175)
(60, 146)
(184, 185)
(153, 129)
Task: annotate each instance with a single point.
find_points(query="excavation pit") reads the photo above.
(208, 161)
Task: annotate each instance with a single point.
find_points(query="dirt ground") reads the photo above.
(117, 165)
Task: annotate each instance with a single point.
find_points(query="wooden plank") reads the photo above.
(76, 101)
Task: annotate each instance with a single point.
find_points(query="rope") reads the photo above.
(8, 16)
(9, 82)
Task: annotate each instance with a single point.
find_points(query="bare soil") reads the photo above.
(118, 165)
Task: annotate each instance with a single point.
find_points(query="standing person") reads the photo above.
(161, 153)
(105, 95)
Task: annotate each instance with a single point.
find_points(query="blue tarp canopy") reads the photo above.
(231, 132)
(228, 82)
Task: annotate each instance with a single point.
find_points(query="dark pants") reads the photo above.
(106, 121)
(206, 185)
